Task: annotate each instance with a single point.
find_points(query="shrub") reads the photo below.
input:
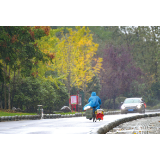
(109, 103)
(120, 99)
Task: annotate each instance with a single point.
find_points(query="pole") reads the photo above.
(78, 100)
(42, 114)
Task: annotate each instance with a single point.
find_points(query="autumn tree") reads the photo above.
(74, 58)
(18, 53)
(48, 45)
(118, 72)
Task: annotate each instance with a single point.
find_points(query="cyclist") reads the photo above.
(94, 101)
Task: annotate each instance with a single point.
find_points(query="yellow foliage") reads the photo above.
(47, 45)
(73, 56)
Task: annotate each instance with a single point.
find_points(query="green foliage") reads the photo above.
(19, 52)
(109, 102)
(94, 85)
(28, 93)
(17, 48)
(120, 99)
(1, 73)
(156, 89)
(31, 92)
(61, 96)
(157, 106)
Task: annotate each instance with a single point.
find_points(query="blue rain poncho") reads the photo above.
(94, 101)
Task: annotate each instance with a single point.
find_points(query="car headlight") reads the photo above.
(122, 107)
(139, 106)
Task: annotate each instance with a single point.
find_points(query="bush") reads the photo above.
(156, 107)
(31, 92)
(153, 102)
(120, 99)
(109, 103)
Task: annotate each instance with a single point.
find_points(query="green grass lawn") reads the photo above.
(106, 110)
(13, 114)
(68, 113)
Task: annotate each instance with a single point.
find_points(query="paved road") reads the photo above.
(74, 125)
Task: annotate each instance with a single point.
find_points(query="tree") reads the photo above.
(32, 91)
(18, 52)
(118, 72)
(48, 45)
(74, 58)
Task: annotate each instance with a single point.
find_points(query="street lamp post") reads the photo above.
(40, 111)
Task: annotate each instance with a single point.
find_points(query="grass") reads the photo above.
(67, 113)
(2, 113)
(153, 107)
(62, 113)
(106, 110)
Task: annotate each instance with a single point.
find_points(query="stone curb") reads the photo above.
(50, 116)
(47, 116)
(111, 125)
(18, 118)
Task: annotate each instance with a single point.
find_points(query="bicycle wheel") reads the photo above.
(94, 116)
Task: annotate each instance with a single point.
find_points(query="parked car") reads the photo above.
(133, 105)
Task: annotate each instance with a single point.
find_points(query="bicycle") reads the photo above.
(92, 114)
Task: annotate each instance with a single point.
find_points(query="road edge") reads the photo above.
(111, 125)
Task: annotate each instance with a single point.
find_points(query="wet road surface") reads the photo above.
(74, 125)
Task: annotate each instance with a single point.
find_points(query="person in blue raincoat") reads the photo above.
(94, 101)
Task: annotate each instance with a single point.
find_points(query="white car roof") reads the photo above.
(134, 98)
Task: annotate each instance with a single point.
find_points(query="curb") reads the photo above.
(50, 116)
(111, 125)
(47, 116)
(17, 118)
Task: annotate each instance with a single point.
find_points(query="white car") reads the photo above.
(133, 105)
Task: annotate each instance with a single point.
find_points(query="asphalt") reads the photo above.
(74, 125)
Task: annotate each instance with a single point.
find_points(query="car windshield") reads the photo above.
(132, 101)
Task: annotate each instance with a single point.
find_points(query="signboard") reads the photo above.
(79, 101)
(73, 99)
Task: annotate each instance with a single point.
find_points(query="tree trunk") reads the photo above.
(69, 75)
(69, 90)
(9, 95)
(156, 73)
(1, 101)
(113, 102)
(109, 103)
(84, 88)
(114, 97)
(13, 91)
(5, 98)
